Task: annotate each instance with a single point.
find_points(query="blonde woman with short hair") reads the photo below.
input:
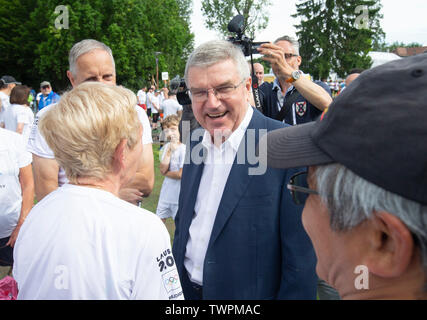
(82, 241)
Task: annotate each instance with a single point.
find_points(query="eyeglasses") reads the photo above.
(224, 92)
(299, 188)
(290, 55)
(45, 87)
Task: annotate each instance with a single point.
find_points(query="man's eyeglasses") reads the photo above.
(299, 188)
(45, 87)
(290, 55)
(223, 92)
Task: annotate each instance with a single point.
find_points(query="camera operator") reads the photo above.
(188, 122)
(293, 97)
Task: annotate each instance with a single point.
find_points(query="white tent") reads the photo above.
(379, 58)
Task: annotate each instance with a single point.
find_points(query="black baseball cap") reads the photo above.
(9, 80)
(377, 128)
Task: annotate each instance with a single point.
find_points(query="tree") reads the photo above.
(18, 39)
(315, 50)
(337, 35)
(218, 14)
(134, 30)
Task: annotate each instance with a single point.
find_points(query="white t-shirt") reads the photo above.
(161, 97)
(142, 97)
(155, 100)
(171, 187)
(4, 105)
(17, 113)
(13, 156)
(38, 145)
(146, 127)
(170, 106)
(149, 96)
(85, 243)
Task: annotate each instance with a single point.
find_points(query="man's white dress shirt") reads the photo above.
(218, 163)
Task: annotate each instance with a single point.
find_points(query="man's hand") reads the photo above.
(276, 56)
(131, 195)
(314, 93)
(14, 235)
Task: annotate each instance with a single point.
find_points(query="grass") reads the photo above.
(4, 271)
(150, 203)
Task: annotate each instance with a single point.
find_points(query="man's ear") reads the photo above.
(119, 156)
(248, 86)
(299, 60)
(391, 246)
(70, 77)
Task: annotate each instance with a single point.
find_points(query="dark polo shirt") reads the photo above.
(301, 110)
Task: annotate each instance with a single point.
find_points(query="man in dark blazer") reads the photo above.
(238, 234)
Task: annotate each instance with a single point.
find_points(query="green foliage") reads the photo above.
(219, 13)
(337, 35)
(33, 49)
(18, 34)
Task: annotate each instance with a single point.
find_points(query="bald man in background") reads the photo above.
(259, 72)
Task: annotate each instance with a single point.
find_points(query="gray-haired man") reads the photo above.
(366, 211)
(231, 224)
(90, 60)
(293, 97)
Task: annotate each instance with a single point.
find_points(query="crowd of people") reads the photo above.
(158, 104)
(327, 203)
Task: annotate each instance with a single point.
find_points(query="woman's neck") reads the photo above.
(105, 184)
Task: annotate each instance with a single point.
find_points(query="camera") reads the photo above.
(188, 121)
(248, 47)
(236, 25)
(178, 85)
